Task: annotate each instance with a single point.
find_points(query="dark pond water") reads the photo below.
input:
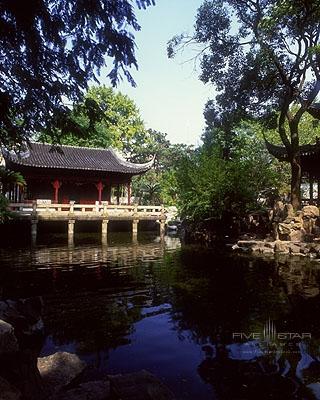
(210, 325)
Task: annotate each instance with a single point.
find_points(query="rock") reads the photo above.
(304, 249)
(23, 314)
(20, 344)
(310, 211)
(315, 389)
(281, 246)
(297, 235)
(314, 248)
(94, 390)
(139, 386)
(288, 210)
(8, 340)
(294, 248)
(267, 250)
(59, 369)
(7, 391)
(249, 244)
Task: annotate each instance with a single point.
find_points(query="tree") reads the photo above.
(211, 186)
(9, 178)
(263, 56)
(159, 184)
(118, 125)
(50, 50)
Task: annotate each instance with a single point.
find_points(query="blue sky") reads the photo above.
(169, 94)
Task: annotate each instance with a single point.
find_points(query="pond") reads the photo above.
(211, 325)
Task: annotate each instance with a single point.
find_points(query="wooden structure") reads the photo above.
(68, 173)
(38, 211)
(69, 183)
(310, 167)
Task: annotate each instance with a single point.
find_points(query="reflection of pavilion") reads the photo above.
(125, 255)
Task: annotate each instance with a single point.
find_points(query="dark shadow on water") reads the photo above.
(194, 317)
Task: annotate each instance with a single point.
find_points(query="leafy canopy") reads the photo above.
(118, 123)
(50, 50)
(263, 57)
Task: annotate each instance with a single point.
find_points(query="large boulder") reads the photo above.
(8, 392)
(139, 385)
(23, 314)
(94, 390)
(20, 344)
(8, 340)
(281, 246)
(310, 211)
(59, 369)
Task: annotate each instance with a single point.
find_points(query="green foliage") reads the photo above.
(160, 184)
(8, 178)
(119, 124)
(4, 213)
(147, 188)
(212, 186)
(50, 50)
(263, 59)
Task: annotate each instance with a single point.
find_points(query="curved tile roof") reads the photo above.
(281, 154)
(40, 155)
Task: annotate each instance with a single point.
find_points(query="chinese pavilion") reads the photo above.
(67, 173)
(310, 165)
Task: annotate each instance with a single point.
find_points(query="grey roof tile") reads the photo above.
(40, 155)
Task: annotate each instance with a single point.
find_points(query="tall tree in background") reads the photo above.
(263, 56)
(50, 50)
(118, 123)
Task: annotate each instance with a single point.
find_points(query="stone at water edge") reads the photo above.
(281, 246)
(8, 392)
(311, 211)
(59, 369)
(93, 390)
(23, 314)
(297, 235)
(315, 389)
(294, 248)
(141, 385)
(8, 340)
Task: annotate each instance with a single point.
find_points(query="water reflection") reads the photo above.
(175, 312)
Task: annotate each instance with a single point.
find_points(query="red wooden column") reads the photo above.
(56, 186)
(100, 187)
(129, 193)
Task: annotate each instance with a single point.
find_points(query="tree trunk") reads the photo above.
(295, 183)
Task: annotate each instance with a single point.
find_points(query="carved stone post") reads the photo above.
(34, 209)
(71, 209)
(104, 230)
(71, 223)
(135, 229)
(105, 208)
